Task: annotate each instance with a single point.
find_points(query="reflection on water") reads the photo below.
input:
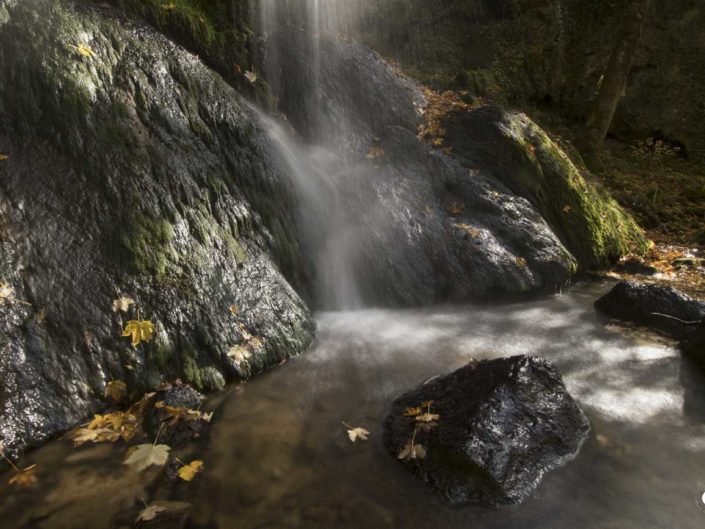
(279, 458)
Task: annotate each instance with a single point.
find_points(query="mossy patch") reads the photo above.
(148, 244)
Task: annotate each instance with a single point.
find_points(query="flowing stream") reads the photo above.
(278, 456)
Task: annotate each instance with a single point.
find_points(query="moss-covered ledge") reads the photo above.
(594, 228)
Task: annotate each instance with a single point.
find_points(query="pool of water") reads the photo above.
(278, 457)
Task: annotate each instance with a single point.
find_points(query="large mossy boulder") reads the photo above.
(658, 307)
(501, 425)
(509, 145)
(133, 171)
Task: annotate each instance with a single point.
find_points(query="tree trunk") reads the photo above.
(614, 81)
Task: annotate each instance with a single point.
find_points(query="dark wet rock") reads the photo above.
(516, 151)
(695, 346)
(659, 307)
(176, 431)
(635, 267)
(137, 172)
(686, 261)
(503, 424)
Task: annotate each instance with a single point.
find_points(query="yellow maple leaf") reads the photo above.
(83, 49)
(188, 472)
(116, 390)
(139, 330)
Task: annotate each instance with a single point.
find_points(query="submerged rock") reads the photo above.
(659, 307)
(133, 171)
(695, 346)
(502, 425)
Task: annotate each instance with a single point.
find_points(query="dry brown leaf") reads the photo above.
(149, 513)
(412, 412)
(122, 304)
(116, 390)
(357, 433)
(26, 478)
(428, 417)
(412, 451)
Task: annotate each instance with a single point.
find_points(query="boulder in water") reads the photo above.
(659, 307)
(502, 425)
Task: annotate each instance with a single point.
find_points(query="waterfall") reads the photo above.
(314, 168)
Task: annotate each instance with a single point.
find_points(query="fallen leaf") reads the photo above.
(139, 330)
(566, 209)
(521, 261)
(426, 427)
(88, 337)
(239, 353)
(149, 513)
(26, 478)
(175, 414)
(358, 433)
(41, 315)
(234, 309)
(251, 76)
(83, 50)
(4, 157)
(122, 304)
(7, 293)
(145, 455)
(428, 417)
(188, 472)
(456, 209)
(374, 153)
(116, 390)
(415, 451)
(412, 412)
(169, 6)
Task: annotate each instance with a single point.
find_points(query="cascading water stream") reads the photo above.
(314, 170)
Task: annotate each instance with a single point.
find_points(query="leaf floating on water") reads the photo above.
(145, 455)
(83, 50)
(412, 451)
(116, 390)
(566, 209)
(251, 76)
(4, 157)
(358, 433)
(169, 6)
(26, 478)
(188, 472)
(150, 513)
(122, 304)
(139, 330)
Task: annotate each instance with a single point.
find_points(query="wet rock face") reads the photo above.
(133, 171)
(662, 308)
(503, 424)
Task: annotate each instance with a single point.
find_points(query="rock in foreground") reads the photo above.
(662, 308)
(503, 424)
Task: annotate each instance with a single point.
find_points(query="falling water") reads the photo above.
(315, 169)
